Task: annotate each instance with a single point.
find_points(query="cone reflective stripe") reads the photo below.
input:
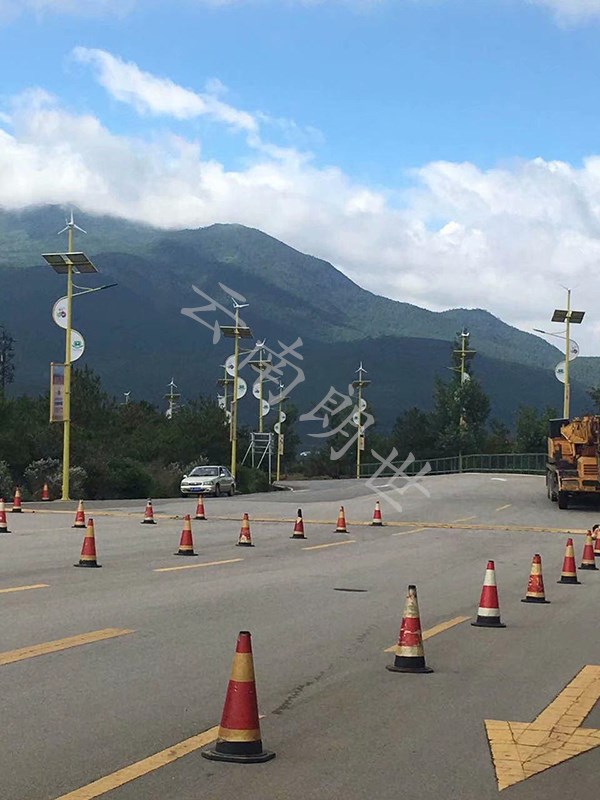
(245, 539)
(377, 519)
(410, 656)
(569, 570)
(239, 736)
(3, 523)
(341, 522)
(16, 506)
(535, 587)
(88, 551)
(596, 530)
(149, 514)
(186, 543)
(200, 514)
(298, 527)
(79, 516)
(588, 560)
(488, 613)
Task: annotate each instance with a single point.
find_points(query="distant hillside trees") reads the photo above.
(7, 357)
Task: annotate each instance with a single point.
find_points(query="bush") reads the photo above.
(49, 470)
(118, 479)
(250, 480)
(6, 482)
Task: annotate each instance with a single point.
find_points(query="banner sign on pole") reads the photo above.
(57, 392)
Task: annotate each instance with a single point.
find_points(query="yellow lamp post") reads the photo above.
(360, 384)
(570, 318)
(235, 332)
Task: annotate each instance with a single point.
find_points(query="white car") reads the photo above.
(208, 480)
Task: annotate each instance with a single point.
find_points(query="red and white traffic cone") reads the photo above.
(341, 522)
(596, 530)
(45, 493)
(200, 513)
(3, 522)
(298, 527)
(88, 550)
(16, 506)
(79, 516)
(149, 514)
(186, 543)
(488, 613)
(245, 539)
(377, 519)
(410, 656)
(535, 586)
(588, 560)
(569, 569)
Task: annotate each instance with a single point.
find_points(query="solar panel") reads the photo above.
(79, 262)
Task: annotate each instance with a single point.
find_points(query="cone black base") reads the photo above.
(418, 670)
(16, 510)
(534, 600)
(198, 517)
(568, 580)
(185, 554)
(83, 525)
(148, 522)
(377, 524)
(296, 536)
(339, 530)
(258, 758)
(588, 566)
(244, 544)
(87, 564)
(484, 622)
(5, 530)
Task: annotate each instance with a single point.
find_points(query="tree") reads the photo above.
(498, 439)
(7, 355)
(594, 393)
(532, 429)
(415, 432)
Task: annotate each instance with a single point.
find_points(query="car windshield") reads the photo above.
(204, 472)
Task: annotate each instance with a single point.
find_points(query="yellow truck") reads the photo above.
(572, 469)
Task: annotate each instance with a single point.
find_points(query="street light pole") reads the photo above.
(569, 317)
(360, 384)
(236, 332)
(280, 434)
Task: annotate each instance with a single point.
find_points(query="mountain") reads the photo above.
(137, 338)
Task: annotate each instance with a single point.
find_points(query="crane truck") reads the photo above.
(573, 465)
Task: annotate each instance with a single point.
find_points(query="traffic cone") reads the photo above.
(298, 527)
(239, 736)
(588, 560)
(186, 543)
(596, 529)
(377, 520)
(88, 551)
(569, 570)
(535, 586)
(45, 493)
(341, 522)
(79, 516)
(409, 652)
(3, 523)
(245, 539)
(488, 613)
(200, 509)
(149, 515)
(16, 506)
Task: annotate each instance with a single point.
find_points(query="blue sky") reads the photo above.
(437, 151)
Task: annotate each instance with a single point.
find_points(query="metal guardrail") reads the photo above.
(517, 463)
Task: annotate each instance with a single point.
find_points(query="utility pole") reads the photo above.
(235, 332)
(360, 384)
(570, 318)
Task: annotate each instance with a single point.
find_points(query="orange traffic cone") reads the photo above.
(79, 516)
(588, 560)
(377, 520)
(16, 506)
(341, 522)
(88, 550)
(200, 509)
(409, 652)
(239, 736)
(298, 527)
(186, 543)
(569, 570)
(45, 493)
(596, 530)
(245, 539)
(488, 614)
(535, 587)
(3, 523)
(149, 514)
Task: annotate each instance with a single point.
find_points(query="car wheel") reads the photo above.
(232, 490)
(563, 500)
(217, 490)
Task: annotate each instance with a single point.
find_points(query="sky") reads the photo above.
(441, 152)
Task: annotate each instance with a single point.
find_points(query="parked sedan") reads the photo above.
(208, 480)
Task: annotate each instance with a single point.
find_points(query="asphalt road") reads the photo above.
(341, 724)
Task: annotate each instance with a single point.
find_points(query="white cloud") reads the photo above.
(126, 82)
(502, 239)
(571, 10)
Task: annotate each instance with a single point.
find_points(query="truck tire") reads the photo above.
(563, 500)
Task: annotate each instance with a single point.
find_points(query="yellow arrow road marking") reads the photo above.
(520, 750)
(443, 626)
(24, 588)
(501, 508)
(10, 656)
(197, 566)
